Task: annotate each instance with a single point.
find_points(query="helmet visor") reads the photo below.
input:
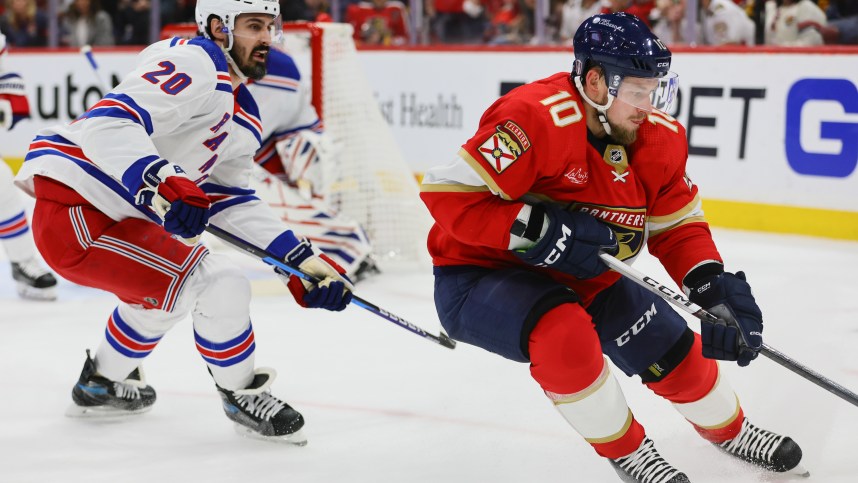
(648, 93)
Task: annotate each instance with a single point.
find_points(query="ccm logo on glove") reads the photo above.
(559, 247)
(571, 242)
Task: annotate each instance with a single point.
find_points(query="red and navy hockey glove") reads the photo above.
(738, 334)
(333, 290)
(14, 106)
(571, 243)
(183, 206)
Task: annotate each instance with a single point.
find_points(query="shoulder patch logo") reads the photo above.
(504, 146)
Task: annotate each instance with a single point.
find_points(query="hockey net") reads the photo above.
(368, 179)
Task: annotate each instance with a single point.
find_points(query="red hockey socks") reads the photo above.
(702, 396)
(566, 360)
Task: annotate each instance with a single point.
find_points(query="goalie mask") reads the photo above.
(623, 46)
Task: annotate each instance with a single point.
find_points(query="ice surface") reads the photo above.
(382, 405)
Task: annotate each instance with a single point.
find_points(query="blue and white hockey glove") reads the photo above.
(571, 243)
(333, 290)
(182, 205)
(738, 334)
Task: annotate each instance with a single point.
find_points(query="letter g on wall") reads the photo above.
(802, 161)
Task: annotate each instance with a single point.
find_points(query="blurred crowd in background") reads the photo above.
(73, 23)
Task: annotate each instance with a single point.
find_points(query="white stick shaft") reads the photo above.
(657, 288)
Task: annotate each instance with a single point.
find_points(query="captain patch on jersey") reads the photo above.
(505, 145)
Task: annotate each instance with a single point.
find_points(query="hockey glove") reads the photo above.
(181, 204)
(738, 333)
(14, 106)
(333, 291)
(571, 243)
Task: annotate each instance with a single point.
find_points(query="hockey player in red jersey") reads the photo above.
(124, 191)
(559, 170)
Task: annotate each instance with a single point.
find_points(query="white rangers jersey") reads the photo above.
(284, 104)
(178, 105)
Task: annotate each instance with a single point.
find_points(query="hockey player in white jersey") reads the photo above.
(32, 279)
(124, 191)
(294, 153)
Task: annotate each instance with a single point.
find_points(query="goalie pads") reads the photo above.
(342, 239)
(13, 100)
(302, 155)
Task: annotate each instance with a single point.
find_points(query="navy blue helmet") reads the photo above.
(622, 45)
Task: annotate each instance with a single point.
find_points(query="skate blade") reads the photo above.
(800, 471)
(31, 293)
(102, 412)
(295, 439)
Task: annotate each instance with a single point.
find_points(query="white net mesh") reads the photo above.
(368, 180)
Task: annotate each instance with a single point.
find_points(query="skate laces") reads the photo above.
(753, 442)
(647, 465)
(129, 389)
(258, 400)
(263, 406)
(32, 268)
(126, 390)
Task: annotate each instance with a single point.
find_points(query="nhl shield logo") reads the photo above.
(616, 157)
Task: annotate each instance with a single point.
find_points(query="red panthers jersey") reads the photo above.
(533, 145)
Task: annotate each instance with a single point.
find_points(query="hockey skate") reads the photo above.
(96, 396)
(259, 415)
(33, 280)
(765, 449)
(646, 465)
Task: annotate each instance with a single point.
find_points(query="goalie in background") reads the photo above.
(33, 280)
(294, 155)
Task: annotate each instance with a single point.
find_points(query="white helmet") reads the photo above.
(229, 10)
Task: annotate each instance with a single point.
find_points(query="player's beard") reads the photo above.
(251, 68)
(623, 136)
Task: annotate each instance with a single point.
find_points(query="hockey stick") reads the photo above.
(284, 269)
(680, 301)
